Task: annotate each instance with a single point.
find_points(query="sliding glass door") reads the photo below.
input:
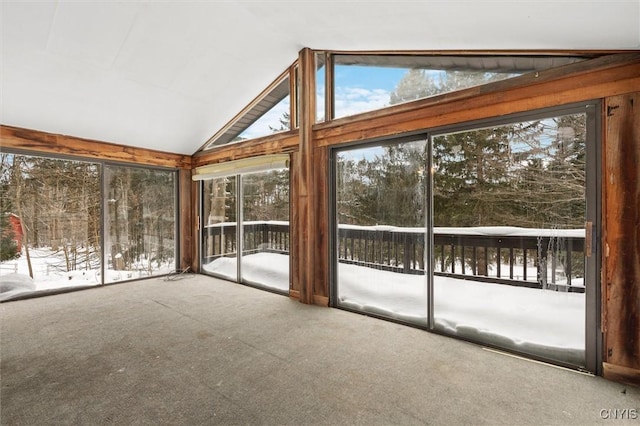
(219, 227)
(509, 249)
(265, 229)
(495, 245)
(380, 234)
(245, 228)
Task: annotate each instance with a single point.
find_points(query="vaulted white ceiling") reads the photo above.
(168, 75)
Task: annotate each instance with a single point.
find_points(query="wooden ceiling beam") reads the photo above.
(36, 142)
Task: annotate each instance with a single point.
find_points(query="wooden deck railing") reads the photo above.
(550, 259)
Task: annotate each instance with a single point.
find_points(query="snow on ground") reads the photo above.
(542, 322)
(266, 269)
(48, 274)
(546, 323)
(12, 285)
(502, 231)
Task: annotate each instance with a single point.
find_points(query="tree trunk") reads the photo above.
(25, 235)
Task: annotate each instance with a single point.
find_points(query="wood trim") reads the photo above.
(329, 99)
(195, 226)
(293, 96)
(320, 300)
(322, 190)
(617, 373)
(186, 229)
(317, 300)
(571, 83)
(294, 223)
(621, 263)
(49, 143)
(285, 142)
(247, 108)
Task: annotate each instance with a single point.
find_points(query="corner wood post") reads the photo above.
(621, 257)
(306, 194)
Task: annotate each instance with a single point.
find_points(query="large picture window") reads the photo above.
(140, 213)
(364, 83)
(70, 223)
(50, 215)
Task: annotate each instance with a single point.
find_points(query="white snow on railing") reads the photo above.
(493, 231)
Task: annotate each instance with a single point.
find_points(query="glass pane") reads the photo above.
(140, 222)
(219, 227)
(380, 208)
(366, 83)
(360, 88)
(277, 119)
(50, 221)
(266, 115)
(509, 211)
(265, 252)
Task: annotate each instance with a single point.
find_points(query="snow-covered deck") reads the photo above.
(545, 323)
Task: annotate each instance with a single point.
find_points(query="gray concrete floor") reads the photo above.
(205, 351)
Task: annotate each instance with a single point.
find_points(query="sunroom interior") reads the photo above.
(485, 194)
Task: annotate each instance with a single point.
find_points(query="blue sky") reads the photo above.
(357, 89)
(363, 88)
(368, 77)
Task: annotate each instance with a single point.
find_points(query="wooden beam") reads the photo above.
(306, 196)
(279, 143)
(621, 263)
(294, 225)
(195, 225)
(322, 192)
(186, 230)
(34, 141)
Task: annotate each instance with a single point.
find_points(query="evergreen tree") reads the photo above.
(385, 190)
(415, 84)
(283, 125)
(266, 195)
(469, 170)
(528, 174)
(394, 194)
(421, 83)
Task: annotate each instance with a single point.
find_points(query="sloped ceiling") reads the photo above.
(168, 75)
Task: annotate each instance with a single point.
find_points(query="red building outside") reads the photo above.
(15, 225)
